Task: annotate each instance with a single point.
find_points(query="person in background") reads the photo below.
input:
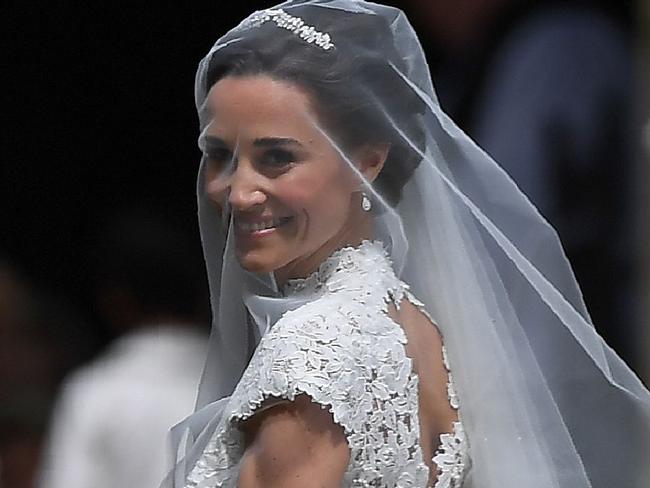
(545, 87)
(41, 337)
(150, 291)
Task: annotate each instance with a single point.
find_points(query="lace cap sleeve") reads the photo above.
(360, 374)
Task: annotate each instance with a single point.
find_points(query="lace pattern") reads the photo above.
(345, 352)
(451, 458)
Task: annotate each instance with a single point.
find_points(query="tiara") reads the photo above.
(294, 24)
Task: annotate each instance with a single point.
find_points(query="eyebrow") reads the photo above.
(214, 141)
(275, 141)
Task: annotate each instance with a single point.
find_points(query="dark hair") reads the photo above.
(352, 84)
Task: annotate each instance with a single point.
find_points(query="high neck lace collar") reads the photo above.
(342, 263)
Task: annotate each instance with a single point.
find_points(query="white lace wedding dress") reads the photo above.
(345, 352)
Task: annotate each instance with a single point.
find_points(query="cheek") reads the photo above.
(324, 200)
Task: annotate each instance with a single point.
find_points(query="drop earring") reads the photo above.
(366, 204)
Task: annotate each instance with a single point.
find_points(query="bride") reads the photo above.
(389, 310)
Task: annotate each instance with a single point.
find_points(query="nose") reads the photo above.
(245, 188)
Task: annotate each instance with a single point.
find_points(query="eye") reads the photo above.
(218, 157)
(277, 157)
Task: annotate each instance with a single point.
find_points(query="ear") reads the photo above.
(370, 160)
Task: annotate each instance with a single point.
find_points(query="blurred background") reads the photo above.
(103, 300)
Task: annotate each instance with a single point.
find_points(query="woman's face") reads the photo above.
(289, 190)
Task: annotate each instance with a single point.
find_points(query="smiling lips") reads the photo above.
(260, 227)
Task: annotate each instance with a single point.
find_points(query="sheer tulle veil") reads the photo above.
(545, 402)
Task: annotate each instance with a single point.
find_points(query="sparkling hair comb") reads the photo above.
(294, 24)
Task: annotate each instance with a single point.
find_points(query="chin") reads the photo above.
(256, 262)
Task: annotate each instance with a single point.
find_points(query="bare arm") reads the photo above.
(291, 445)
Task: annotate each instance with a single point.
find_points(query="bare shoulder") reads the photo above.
(293, 443)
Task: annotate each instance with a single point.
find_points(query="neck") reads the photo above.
(352, 234)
